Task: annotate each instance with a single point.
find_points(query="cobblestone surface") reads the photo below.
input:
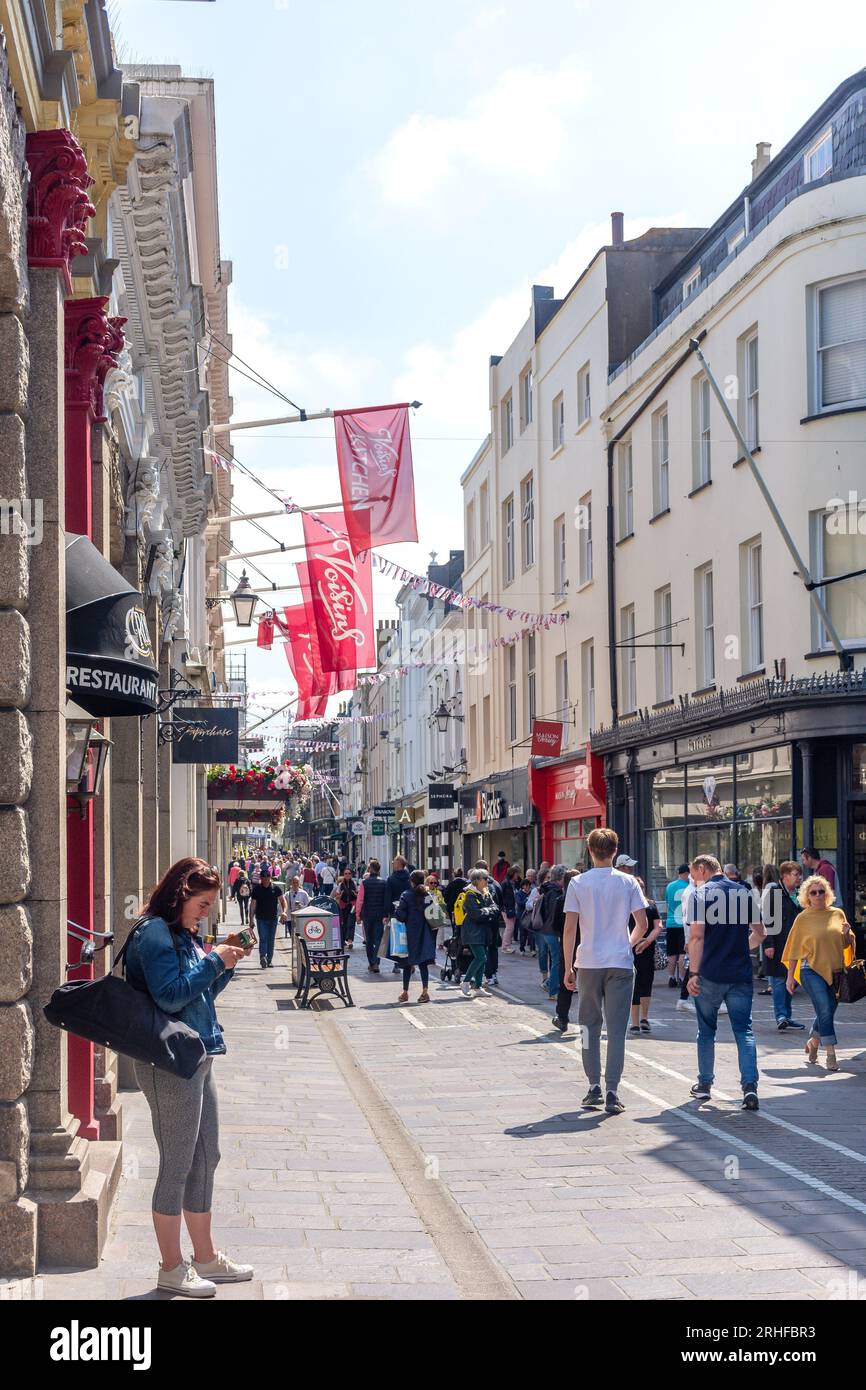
(670, 1200)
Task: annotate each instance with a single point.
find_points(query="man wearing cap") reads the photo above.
(267, 901)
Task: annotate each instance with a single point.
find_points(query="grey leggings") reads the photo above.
(606, 992)
(185, 1118)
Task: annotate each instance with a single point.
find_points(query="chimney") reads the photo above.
(616, 236)
(762, 158)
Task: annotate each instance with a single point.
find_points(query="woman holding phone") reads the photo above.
(166, 960)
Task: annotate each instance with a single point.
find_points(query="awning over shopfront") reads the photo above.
(109, 656)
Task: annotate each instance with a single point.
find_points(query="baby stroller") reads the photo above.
(457, 958)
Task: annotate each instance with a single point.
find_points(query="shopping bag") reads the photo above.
(850, 983)
(399, 938)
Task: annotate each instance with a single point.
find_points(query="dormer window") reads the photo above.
(690, 284)
(818, 159)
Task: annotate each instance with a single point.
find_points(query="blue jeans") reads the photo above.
(781, 998)
(551, 960)
(738, 998)
(267, 933)
(823, 997)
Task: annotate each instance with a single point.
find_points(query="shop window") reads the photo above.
(762, 842)
(764, 784)
(665, 850)
(859, 767)
(711, 790)
(667, 797)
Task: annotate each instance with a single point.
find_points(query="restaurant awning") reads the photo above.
(109, 655)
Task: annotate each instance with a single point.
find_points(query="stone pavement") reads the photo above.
(439, 1152)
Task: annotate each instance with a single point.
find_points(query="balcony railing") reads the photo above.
(768, 695)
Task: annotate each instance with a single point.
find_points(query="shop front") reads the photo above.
(748, 791)
(569, 794)
(444, 848)
(497, 814)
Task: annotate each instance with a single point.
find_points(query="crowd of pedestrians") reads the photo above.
(592, 932)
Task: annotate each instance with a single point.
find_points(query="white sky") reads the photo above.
(394, 176)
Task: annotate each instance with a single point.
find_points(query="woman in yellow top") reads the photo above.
(817, 940)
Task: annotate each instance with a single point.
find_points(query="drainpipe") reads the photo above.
(611, 543)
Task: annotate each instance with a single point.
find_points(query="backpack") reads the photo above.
(244, 890)
(460, 908)
(536, 921)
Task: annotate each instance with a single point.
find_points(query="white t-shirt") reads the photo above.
(605, 899)
(327, 873)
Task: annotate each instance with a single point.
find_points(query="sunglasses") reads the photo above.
(817, 892)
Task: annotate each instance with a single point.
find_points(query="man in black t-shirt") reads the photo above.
(267, 901)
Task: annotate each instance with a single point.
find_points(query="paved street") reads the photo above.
(438, 1152)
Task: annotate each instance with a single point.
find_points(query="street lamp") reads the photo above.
(86, 756)
(244, 601)
(443, 714)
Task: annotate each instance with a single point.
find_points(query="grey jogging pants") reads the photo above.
(604, 994)
(185, 1118)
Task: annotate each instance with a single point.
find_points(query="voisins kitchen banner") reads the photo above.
(339, 598)
(374, 457)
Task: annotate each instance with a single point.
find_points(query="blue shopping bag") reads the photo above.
(399, 939)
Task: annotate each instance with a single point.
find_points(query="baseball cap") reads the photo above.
(624, 861)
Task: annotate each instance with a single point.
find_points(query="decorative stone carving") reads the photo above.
(143, 497)
(162, 569)
(93, 342)
(58, 207)
(120, 381)
(173, 616)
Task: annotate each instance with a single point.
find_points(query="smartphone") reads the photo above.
(244, 938)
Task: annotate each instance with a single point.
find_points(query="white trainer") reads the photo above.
(222, 1270)
(687, 1004)
(184, 1280)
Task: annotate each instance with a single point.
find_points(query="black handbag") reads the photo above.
(850, 983)
(112, 1012)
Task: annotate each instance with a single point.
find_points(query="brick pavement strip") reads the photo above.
(373, 1159)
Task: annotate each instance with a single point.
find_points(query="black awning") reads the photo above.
(109, 656)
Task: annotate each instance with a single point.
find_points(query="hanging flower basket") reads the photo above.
(260, 782)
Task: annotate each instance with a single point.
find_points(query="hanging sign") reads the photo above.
(374, 457)
(546, 738)
(340, 599)
(441, 796)
(217, 742)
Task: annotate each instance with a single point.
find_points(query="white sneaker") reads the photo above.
(687, 1004)
(184, 1280)
(467, 991)
(222, 1270)
(494, 980)
(482, 989)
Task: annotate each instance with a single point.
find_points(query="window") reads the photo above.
(664, 652)
(587, 686)
(750, 383)
(484, 514)
(837, 548)
(527, 521)
(488, 729)
(508, 539)
(507, 423)
(529, 650)
(700, 431)
(626, 491)
(735, 240)
(474, 750)
(511, 681)
(562, 710)
(691, 284)
(559, 570)
(470, 533)
(584, 404)
(585, 557)
(627, 656)
(818, 159)
(661, 461)
(841, 337)
(558, 422)
(705, 654)
(527, 398)
(752, 589)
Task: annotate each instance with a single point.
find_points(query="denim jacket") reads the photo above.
(165, 965)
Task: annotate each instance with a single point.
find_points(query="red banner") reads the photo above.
(546, 739)
(374, 456)
(303, 656)
(338, 594)
(266, 632)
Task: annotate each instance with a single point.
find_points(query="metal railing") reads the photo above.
(770, 695)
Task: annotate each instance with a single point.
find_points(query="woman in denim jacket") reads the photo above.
(166, 960)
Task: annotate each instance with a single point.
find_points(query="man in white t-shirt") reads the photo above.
(601, 902)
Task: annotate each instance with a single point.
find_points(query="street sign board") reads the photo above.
(378, 827)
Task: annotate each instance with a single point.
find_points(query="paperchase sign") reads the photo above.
(216, 743)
